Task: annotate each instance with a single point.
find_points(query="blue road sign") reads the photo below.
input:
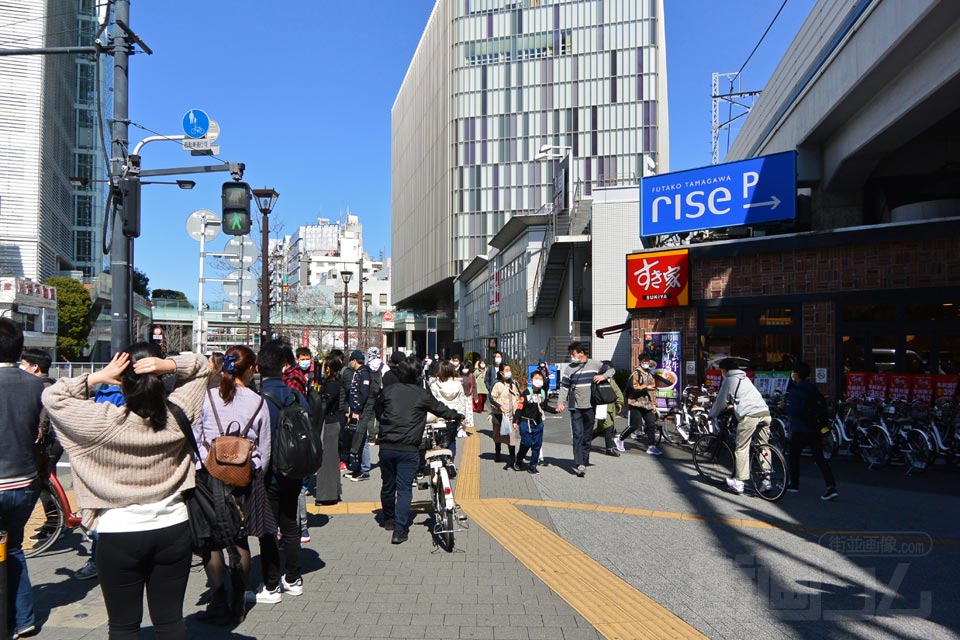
(196, 123)
(748, 192)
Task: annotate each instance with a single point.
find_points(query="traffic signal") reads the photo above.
(235, 197)
(129, 196)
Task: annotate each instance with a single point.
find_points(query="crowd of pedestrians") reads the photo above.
(142, 433)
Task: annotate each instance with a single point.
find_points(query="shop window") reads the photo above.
(777, 317)
(720, 318)
(868, 313)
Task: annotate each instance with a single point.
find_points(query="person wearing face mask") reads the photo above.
(642, 406)
(479, 377)
(490, 377)
(306, 364)
(529, 420)
(470, 391)
(504, 399)
(575, 387)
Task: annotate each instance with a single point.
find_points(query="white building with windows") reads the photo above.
(491, 83)
(51, 133)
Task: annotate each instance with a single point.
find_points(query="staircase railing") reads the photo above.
(549, 238)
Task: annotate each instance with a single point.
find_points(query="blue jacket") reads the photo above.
(800, 403)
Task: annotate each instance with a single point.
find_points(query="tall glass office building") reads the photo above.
(51, 134)
(491, 82)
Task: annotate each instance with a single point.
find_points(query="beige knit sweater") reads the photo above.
(118, 459)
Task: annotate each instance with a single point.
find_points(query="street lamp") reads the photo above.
(266, 200)
(346, 277)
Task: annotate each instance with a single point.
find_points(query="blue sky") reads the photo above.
(303, 97)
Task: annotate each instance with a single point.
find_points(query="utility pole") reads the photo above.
(121, 248)
(360, 335)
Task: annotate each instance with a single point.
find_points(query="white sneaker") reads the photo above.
(264, 596)
(735, 485)
(294, 588)
(619, 444)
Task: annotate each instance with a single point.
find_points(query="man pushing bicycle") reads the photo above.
(750, 411)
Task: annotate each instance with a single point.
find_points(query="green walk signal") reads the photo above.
(235, 199)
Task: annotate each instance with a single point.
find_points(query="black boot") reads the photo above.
(496, 454)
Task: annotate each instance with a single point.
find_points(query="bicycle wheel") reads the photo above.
(713, 458)
(768, 471)
(877, 449)
(443, 517)
(669, 430)
(919, 452)
(41, 522)
(778, 434)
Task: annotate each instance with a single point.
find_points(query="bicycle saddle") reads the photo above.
(438, 453)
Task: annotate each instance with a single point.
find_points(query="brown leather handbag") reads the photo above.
(230, 458)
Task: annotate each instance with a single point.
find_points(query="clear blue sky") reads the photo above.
(303, 89)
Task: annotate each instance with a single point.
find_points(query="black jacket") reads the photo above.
(402, 410)
(390, 377)
(801, 401)
(531, 411)
(20, 419)
(330, 393)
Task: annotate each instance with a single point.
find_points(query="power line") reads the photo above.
(760, 41)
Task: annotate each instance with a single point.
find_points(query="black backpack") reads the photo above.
(297, 449)
(602, 393)
(216, 521)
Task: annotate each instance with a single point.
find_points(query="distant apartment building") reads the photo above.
(52, 162)
(491, 83)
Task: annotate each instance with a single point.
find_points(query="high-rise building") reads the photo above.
(491, 83)
(51, 133)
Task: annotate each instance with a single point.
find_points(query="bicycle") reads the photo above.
(714, 459)
(435, 475)
(683, 420)
(62, 518)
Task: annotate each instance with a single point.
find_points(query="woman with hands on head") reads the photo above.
(131, 465)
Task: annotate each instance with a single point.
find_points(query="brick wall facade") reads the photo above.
(869, 267)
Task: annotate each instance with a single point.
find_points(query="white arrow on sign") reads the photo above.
(773, 203)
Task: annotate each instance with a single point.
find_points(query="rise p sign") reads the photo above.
(747, 192)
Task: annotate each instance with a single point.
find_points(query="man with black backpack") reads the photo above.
(807, 409)
(364, 390)
(282, 490)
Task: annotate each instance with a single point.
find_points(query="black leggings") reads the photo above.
(158, 559)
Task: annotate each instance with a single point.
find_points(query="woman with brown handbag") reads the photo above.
(229, 412)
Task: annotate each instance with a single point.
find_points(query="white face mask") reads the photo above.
(507, 375)
(465, 371)
(482, 366)
(497, 360)
(23, 367)
(645, 367)
(537, 384)
(304, 364)
(574, 360)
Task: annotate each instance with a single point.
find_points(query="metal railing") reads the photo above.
(556, 226)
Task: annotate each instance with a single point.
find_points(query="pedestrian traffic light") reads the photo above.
(235, 197)
(130, 206)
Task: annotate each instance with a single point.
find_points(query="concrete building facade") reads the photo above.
(490, 84)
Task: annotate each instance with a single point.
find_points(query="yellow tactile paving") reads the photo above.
(468, 475)
(582, 582)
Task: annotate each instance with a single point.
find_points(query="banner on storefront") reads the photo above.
(770, 383)
(877, 385)
(664, 347)
(923, 388)
(658, 279)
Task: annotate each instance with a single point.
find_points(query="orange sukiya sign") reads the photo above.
(658, 279)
